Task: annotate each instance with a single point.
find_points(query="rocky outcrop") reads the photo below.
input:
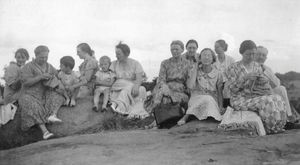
(75, 120)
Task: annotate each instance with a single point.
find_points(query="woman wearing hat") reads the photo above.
(247, 96)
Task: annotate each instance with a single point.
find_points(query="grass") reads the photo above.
(112, 122)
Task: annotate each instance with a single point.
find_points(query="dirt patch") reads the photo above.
(174, 146)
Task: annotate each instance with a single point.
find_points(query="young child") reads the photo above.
(104, 80)
(68, 78)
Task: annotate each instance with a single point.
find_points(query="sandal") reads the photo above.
(54, 119)
(47, 135)
(181, 122)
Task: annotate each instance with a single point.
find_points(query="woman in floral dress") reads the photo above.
(172, 79)
(39, 103)
(87, 69)
(270, 107)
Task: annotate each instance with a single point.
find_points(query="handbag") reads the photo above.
(167, 115)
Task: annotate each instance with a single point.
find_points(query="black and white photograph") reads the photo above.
(147, 82)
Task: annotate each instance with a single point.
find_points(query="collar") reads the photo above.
(212, 74)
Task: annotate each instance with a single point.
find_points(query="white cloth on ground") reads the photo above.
(7, 113)
(242, 119)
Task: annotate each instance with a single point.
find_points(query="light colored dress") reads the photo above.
(271, 108)
(223, 67)
(204, 97)
(173, 75)
(122, 87)
(37, 102)
(12, 89)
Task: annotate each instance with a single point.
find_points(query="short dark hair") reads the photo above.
(23, 52)
(67, 61)
(223, 44)
(124, 48)
(178, 42)
(191, 41)
(40, 49)
(247, 45)
(86, 48)
(212, 53)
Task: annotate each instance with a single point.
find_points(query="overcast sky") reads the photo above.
(149, 26)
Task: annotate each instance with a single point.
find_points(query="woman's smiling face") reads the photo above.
(176, 50)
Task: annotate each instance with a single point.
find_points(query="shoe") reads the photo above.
(103, 109)
(72, 103)
(95, 109)
(54, 119)
(181, 122)
(290, 126)
(67, 102)
(47, 135)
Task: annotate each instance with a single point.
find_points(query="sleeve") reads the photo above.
(192, 76)
(91, 66)
(75, 78)
(235, 82)
(112, 66)
(113, 75)
(220, 79)
(53, 71)
(274, 81)
(231, 61)
(27, 72)
(11, 74)
(59, 75)
(162, 77)
(138, 68)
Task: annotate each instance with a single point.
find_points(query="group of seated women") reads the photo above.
(207, 82)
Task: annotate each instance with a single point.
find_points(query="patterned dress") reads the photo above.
(38, 101)
(171, 82)
(122, 87)
(87, 69)
(271, 108)
(204, 96)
